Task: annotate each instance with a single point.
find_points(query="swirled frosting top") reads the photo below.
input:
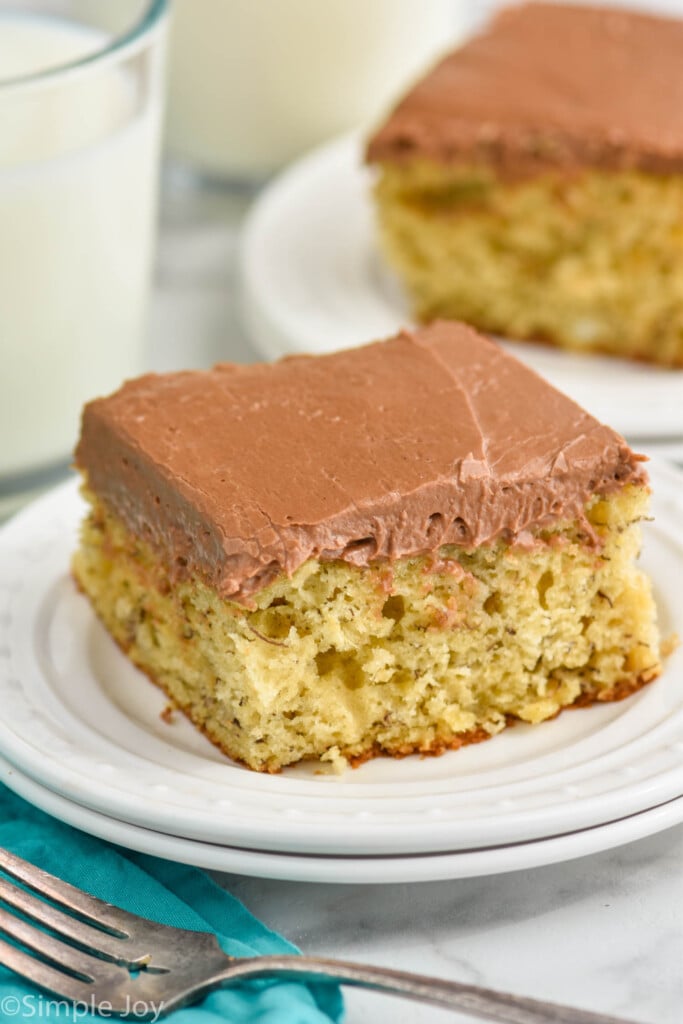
(240, 473)
(550, 86)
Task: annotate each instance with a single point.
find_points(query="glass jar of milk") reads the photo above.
(80, 115)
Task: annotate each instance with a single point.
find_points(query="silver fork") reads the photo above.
(101, 957)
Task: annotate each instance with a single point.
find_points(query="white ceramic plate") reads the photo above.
(81, 721)
(358, 870)
(313, 281)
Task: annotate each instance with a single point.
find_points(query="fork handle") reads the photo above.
(486, 1004)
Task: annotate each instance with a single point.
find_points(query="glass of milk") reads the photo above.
(255, 83)
(80, 116)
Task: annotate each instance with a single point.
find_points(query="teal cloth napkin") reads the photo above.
(167, 892)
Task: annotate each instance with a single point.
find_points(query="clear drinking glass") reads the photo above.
(80, 125)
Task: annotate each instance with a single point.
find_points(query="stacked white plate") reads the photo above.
(82, 737)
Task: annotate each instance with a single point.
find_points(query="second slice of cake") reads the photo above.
(532, 183)
(398, 548)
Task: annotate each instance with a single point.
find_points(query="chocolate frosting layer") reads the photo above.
(240, 473)
(550, 86)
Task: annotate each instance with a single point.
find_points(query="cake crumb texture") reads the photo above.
(591, 261)
(342, 663)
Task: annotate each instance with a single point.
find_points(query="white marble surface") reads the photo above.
(604, 932)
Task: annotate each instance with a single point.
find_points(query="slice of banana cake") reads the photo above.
(532, 183)
(392, 549)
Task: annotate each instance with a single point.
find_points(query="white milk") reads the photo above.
(254, 83)
(77, 203)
